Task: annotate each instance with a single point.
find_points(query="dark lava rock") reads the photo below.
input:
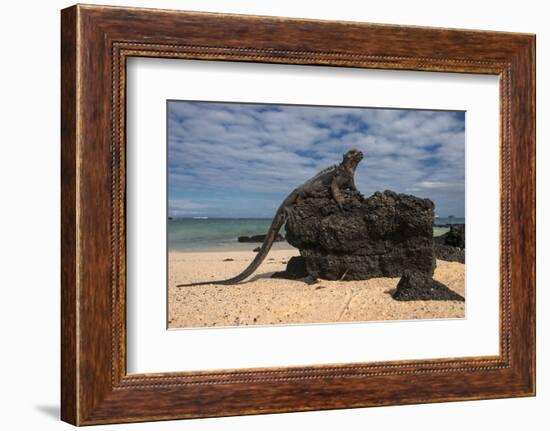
(295, 269)
(449, 253)
(259, 238)
(456, 236)
(451, 245)
(380, 236)
(416, 286)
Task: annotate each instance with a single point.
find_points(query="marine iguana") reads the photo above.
(334, 178)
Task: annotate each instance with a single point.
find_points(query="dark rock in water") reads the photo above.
(456, 237)
(451, 245)
(416, 286)
(380, 236)
(295, 269)
(259, 238)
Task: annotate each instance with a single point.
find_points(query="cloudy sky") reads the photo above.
(241, 160)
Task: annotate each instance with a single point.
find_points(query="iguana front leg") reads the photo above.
(337, 194)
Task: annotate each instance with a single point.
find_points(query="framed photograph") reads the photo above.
(264, 214)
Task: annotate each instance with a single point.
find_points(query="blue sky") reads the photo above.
(241, 160)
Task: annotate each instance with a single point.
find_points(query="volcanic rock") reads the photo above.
(456, 236)
(295, 269)
(451, 245)
(416, 286)
(381, 236)
(449, 253)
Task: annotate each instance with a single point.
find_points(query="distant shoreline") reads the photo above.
(221, 234)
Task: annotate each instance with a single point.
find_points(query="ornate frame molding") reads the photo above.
(96, 41)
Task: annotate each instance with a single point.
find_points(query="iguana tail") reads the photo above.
(274, 229)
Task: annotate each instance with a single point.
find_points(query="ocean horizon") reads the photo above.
(218, 234)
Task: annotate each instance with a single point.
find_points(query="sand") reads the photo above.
(265, 301)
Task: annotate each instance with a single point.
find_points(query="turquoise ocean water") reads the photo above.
(222, 233)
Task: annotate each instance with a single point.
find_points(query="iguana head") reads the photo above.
(352, 159)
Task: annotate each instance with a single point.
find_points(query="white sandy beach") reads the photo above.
(263, 300)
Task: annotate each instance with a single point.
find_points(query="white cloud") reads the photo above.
(243, 149)
(184, 207)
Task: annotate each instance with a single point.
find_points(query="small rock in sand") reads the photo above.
(417, 286)
(295, 269)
